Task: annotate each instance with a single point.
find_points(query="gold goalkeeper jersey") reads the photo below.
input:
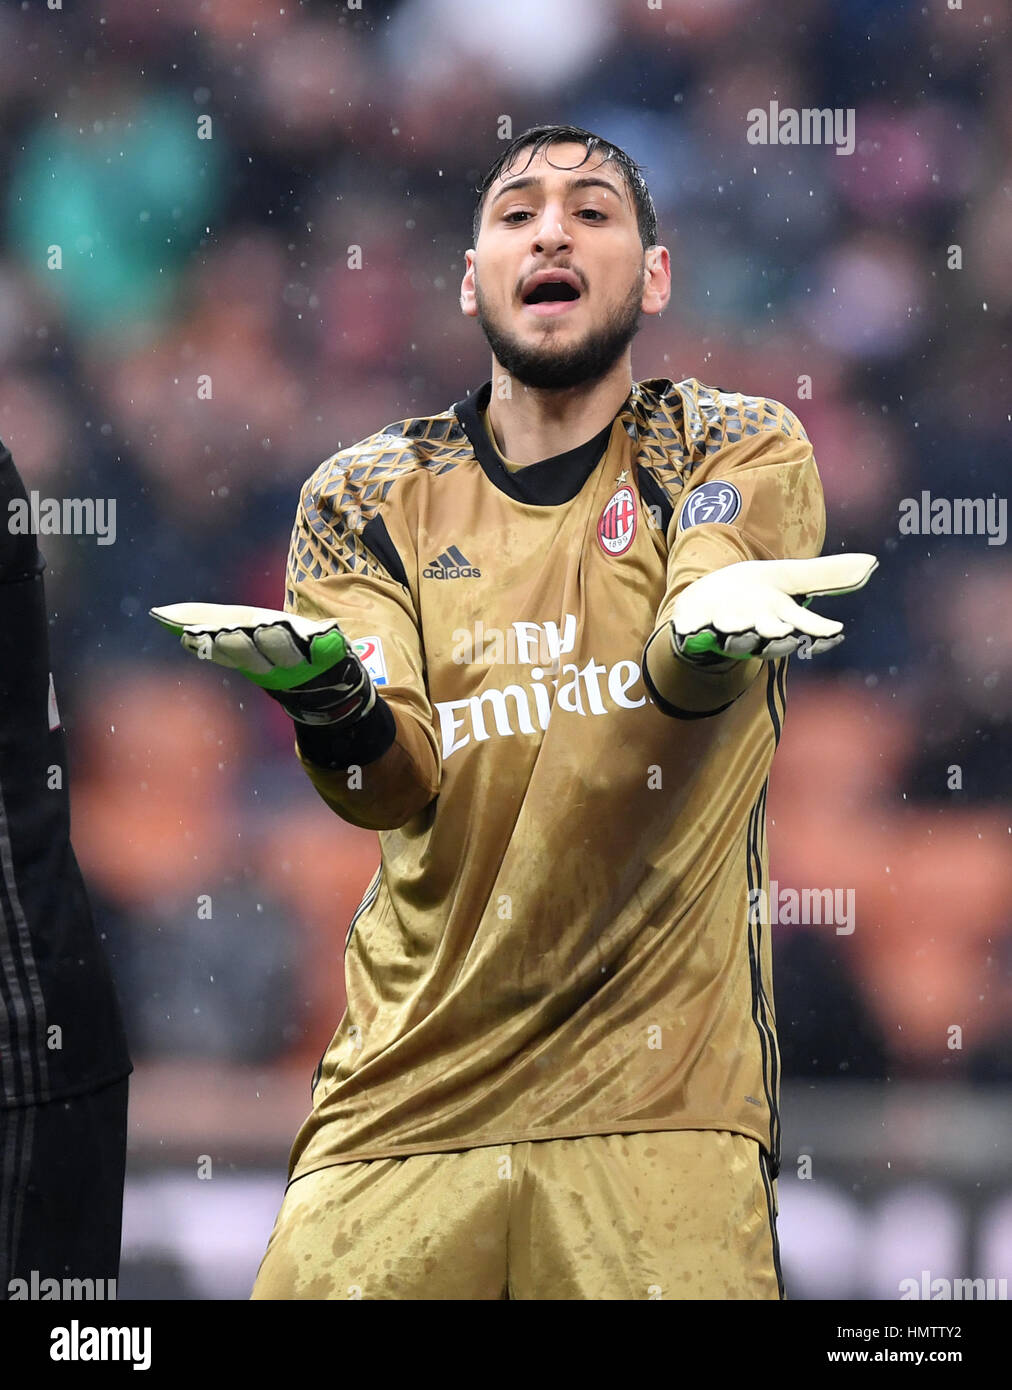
(564, 935)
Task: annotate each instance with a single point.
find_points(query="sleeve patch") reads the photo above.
(369, 651)
(717, 501)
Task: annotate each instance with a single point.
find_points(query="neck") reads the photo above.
(532, 425)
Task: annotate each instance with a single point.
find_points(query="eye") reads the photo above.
(593, 212)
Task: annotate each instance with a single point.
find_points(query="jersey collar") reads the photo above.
(548, 483)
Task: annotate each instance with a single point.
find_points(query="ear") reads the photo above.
(657, 280)
(468, 301)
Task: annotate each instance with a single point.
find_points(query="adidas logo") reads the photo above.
(452, 564)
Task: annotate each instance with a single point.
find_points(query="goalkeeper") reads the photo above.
(538, 641)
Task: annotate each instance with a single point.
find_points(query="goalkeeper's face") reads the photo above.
(560, 279)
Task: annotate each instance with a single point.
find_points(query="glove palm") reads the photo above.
(751, 609)
(307, 665)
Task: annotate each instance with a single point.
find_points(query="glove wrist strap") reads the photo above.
(336, 747)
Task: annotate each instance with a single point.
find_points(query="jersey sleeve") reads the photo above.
(766, 492)
(386, 769)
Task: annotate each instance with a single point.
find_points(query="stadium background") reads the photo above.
(334, 127)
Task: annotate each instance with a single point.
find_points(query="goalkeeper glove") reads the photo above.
(754, 609)
(307, 666)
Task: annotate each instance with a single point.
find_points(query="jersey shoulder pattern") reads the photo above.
(678, 424)
(687, 421)
(349, 489)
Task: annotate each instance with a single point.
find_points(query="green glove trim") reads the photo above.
(702, 642)
(326, 650)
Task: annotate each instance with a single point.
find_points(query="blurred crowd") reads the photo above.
(202, 171)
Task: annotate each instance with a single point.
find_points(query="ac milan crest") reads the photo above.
(617, 525)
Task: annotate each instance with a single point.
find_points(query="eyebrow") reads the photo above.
(529, 179)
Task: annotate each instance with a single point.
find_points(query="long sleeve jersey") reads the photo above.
(561, 938)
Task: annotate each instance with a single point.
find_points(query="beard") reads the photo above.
(550, 367)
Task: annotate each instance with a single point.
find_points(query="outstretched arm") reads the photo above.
(741, 567)
(344, 659)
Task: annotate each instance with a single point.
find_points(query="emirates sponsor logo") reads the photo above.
(544, 691)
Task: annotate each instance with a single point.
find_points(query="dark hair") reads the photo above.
(540, 137)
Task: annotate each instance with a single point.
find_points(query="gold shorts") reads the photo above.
(683, 1214)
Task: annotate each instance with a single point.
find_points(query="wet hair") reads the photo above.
(540, 137)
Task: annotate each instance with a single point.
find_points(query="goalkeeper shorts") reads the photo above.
(681, 1214)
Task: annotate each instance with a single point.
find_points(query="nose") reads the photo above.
(549, 234)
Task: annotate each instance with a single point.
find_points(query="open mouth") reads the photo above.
(551, 290)
(551, 297)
